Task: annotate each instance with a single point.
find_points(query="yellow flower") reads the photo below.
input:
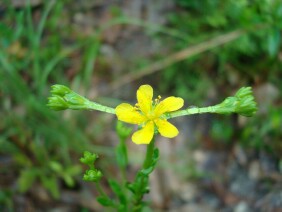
(149, 115)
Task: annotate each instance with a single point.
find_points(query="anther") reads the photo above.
(157, 101)
(136, 106)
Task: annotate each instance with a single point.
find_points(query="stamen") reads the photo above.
(136, 106)
(156, 101)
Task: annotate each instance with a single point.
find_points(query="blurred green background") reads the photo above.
(202, 51)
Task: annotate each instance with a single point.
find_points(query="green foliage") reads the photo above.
(6, 199)
(263, 133)
(138, 187)
(221, 131)
(252, 59)
(105, 201)
(247, 57)
(27, 63)
(51, 184)
(48, 176)
(27, 178)
(119, 192)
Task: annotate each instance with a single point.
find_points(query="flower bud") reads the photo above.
(60, 90)
(75, 99)
(92, 175)
(242, 103)
(64, 98)
(122, 130)
(88, 158)
(246, 106)
(57, 103)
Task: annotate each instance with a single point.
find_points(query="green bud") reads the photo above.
(60, 90)
(64, 98)
(246, 105)
(75, 99)
(57, 103)
(122, 130)
(88, 158)
(244, 92)
(92, 175)
(242, 103)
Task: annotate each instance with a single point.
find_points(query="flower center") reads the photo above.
(151, 115)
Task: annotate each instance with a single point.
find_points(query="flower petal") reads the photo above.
(145, 135)
(144, 98)
(171, 103)
(166, 129)
(127, 113)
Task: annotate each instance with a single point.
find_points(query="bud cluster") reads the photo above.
(242, 103)
(64, 98)
(92, 174)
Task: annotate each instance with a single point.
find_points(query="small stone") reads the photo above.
(240, 155)
(242, 207)
(199, 156)
(193, 207)
(188, 192)
(255, 170)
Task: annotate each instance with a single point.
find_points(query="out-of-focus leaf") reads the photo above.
(51, 184)
(55, 166)
(104, 200)
(26, 179)
(117, 189)
(273, 42)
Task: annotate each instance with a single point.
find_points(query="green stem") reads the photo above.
(121, 152)
(191, 111)
(95, 106)
(100, 190)
(142, 180)
(123, 166)
(102, 193)
(149, 154)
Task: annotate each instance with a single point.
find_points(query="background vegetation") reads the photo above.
(202, 51)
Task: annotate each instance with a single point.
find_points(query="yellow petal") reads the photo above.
(171, 103)
(126, 112)
(166, 129)
(144, 98)
(145, 135)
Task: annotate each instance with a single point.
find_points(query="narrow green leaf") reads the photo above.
(105, 201)
(121, 155)
(26, 179)
(117, 189)
(273, 42)
(51, 184)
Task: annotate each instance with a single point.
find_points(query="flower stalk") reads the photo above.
(242, 102)
(63, 98)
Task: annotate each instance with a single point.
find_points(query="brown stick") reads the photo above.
(176, 57)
